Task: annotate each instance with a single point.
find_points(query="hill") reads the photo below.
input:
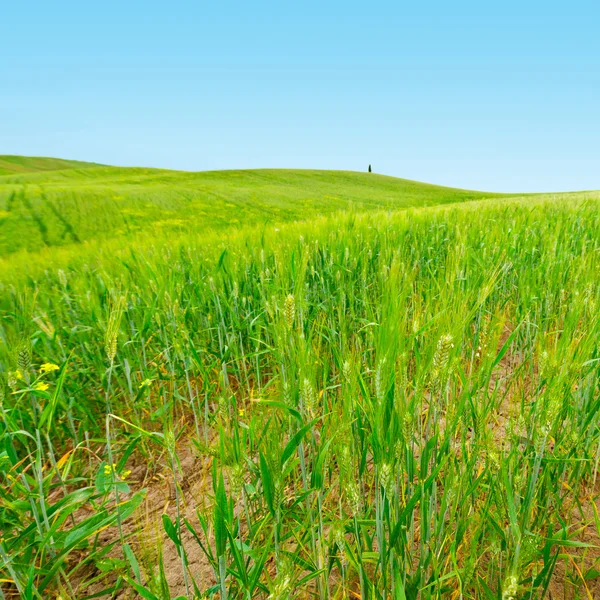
(10, 164)
(79, 203)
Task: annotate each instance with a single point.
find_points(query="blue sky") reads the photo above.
(489, 95)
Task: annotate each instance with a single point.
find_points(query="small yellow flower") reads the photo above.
(241, 412)
(48, 368)
(126, 473)
(19, 375)
(145, 383)
(41, 386)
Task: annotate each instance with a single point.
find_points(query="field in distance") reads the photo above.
(77, 202)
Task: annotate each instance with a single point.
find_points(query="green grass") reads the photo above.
(81, 204)
(382, 403)
(15, 165)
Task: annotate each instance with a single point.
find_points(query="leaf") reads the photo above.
(267, 482)
(135, 567)
(295, 441)
(400, 595)
(50, 409)
(592, 574)
(237, 552)
(141, 590)
(127, 453)
(372, 557)
(222, 259)
(506, 345)
(171, 530)
(294, 413)
(220, 517)
(317, 474)
(157, 437)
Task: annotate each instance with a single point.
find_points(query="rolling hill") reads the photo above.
(10, 164)
(50, 202)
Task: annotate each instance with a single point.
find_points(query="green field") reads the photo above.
(17, 165)
(82, 203)
(296, 384)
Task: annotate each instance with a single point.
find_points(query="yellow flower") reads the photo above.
(145, 383)
(241, 412)
(41, 386)
(48, 368)
(19, 375)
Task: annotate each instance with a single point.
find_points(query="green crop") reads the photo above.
(398, 404)
(77, 205)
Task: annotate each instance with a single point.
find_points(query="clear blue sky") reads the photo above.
(491, 95)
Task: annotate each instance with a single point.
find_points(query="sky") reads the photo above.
(499, 96)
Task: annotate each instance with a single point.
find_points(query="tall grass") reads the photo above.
(392, 406)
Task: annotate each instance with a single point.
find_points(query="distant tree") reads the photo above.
(369, 168)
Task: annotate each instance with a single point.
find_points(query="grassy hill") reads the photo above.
(79, 203)
(10, 164)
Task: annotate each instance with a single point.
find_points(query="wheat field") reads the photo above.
(340, 386)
